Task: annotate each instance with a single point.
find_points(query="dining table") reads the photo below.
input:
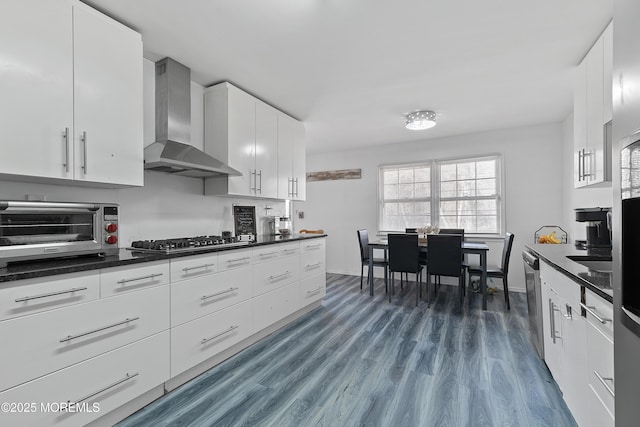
(477, 248)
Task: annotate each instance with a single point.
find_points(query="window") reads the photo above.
(461, 193)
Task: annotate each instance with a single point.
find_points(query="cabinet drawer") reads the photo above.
(228, 260)
(42, 343)
(119, 280)
(313, 288)
(312, 263)
(37, 295)
(566, 288)
(600, 364)
(603, 310)
(193, 266)
(111, 379)
(197, 297)
(200, 339)
(275, 305)
(271, 252)
(313, 245)
(274, 274)
(600, 416)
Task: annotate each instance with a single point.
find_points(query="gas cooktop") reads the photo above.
(184, 244)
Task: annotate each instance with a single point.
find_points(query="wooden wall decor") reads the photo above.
(334, 175)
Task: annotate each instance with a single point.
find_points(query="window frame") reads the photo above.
(435, 184)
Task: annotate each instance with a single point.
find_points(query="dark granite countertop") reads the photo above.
(55, 266)
(596, 281)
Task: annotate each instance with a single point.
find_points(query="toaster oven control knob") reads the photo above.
(111, 227)
(111, 240)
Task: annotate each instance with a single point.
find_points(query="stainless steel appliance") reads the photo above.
(534, 299)
(185, 244)
(31, 230)
(598, 222)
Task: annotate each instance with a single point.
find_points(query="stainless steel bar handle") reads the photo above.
(206, 297)
(84, 153)
(232, 328)
(239, 259)
(291, 250)
(73, 337)
(66, 149)
(590, 309)
(552, 321)
(187, 269)
(317, 264)
(568, 315)
(296, 193)
(255, 183)
(26, 205)
(150, 276)
(260, 189)
(102, 390)
(269, 253)
(314, 291)
(313, 246)
(277, 276)
(290, 192)
(51, 294)
(579, 165)
(604, 380)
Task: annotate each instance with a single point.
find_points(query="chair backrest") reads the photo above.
(459, 231)
(506, 252)
(363, 241)
(444, 254)
(404, 252)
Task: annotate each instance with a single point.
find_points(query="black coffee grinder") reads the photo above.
(598, 227)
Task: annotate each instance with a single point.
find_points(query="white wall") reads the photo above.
(167, 206)
(533, 165)
(589, 197)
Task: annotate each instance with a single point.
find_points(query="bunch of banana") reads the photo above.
(549, 238)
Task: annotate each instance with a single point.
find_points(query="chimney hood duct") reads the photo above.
(171, 152)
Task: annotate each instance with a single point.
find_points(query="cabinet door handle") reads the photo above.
(73, 337)
(579, 165)
(206, 340)
(260, 188)
(253, 173)
(84, 152)
(66, 149)
(268, 254)
(279, 275)
(187, 269)
(317, 264)
(552, 321)
(290, 187)
(591, 310)
(296, 187)
(313, 246)
(51, 294)
(291, 250)
(102, 390)
(238, 259)
(206, 297)
(314, 291)
(606, 385)
(150, 276)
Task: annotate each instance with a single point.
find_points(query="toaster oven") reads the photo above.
(34, 230)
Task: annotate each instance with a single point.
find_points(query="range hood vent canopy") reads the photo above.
(172, 152)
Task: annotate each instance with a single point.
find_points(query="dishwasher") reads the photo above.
(534, 299)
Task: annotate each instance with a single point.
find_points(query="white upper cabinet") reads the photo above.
(248, 134)
(71, 80)
(107, 69)
(592, 112)
(291, 159)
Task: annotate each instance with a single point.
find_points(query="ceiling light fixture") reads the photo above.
(420, 120)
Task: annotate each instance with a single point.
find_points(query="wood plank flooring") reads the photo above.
(362, 361)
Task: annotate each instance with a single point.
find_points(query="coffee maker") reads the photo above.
(598, 227)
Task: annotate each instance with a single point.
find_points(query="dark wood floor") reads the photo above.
(361, 361)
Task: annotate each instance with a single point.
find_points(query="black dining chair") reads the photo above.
(444, 258)
(456, 231)
(500, 272)
(403, 258)
(363, 241)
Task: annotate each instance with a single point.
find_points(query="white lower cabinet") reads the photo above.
(268, 276)
(42, 343)
(119, 280)
(96, 386)
(273, 306)
(599, 415)
(197, 297)
(313, 288)
(203, 338)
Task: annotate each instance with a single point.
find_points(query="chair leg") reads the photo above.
(460, 290)
(361, 275)
(386, 280)
(418, 288)
(391, 284)
(427, 288)
(506, 292)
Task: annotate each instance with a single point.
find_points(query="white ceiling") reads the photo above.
(351, 69)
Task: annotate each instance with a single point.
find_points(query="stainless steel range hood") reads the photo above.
(171, 152)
